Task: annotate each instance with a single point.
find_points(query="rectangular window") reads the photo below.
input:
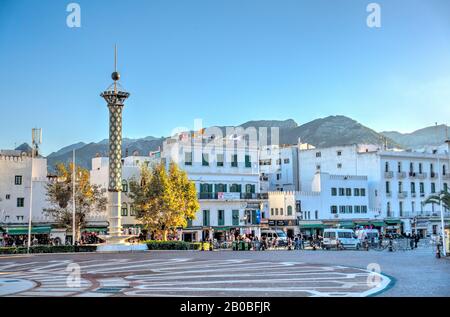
(234, 160)
(220, 217)
(278, 177)
(205, 159)
(276, 211)
(206, 218)
(20, 202)
(400, 187)
(132, 211)
(341, 191)
(357, 209)
(356, 192)
(342, 209)
(339, 153)
(388, 189)
(445, 187)
(271, 211)
(333, 209)
(362, 192)
(248, 162)
(187, 158)
(433, 188)
(219, 159)
(286, 161)
(333, 191)
(364, 209)
(8, 196)
(348, 192)
(399, 167)
(413, 188)
(349, 209)
(318, 154)
(124, 211)
(279, 162)
(339, 165)
(422, 188)
(281, 211)
(235, 215)
(18, 180)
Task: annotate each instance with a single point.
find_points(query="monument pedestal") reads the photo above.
(119, 244)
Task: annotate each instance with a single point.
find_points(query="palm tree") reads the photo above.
(443, 196)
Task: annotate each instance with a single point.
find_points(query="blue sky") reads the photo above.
(223, 61)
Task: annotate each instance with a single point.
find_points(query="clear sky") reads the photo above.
(223, 61)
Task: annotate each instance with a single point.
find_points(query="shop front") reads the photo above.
(289, 226)
(19, 235)
(311, 229)
(370, 224)
(393, 226)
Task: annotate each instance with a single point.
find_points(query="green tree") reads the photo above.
(163, 200)
(87, 197)
(444, 196)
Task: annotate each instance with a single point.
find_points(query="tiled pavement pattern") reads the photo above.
(185, 276)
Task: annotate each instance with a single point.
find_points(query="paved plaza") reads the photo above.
(227, 273)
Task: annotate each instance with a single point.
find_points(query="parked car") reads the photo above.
(340, 238)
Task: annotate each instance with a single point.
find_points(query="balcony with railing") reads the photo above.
(446, 176)
(231, 196)
(402, 195)
(433, 175)
(388, 174)
(421, 175)
(412, 174)
(401, 174)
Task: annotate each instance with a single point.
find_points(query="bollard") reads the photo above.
(390, 245)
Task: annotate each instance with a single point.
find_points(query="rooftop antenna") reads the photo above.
(36, 139)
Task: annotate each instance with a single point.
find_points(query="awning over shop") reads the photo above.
(24, 230)
(311, 226)
(94, 229)
(392, 221)
(223, 228)
(346, 224)
(368, 223)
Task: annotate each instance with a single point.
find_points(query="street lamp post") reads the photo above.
(73, 199)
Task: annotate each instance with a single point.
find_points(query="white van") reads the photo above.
(345, 237)
(372, 235)
(271, 233)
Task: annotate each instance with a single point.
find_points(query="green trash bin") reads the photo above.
(235, 246)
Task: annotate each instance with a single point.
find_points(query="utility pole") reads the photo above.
(440, 200)
(73, 198)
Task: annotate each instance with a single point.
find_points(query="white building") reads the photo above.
(226, 175)
(18, 172)
(334, 200)
(398, 181)
(279, 170)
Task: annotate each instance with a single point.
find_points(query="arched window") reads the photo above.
(124, 186)
(132, 212)
(124, 209)
(289, 210)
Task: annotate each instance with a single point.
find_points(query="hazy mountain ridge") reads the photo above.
(434, 135)
(323, 132)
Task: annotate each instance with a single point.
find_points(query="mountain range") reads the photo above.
(323, 132)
